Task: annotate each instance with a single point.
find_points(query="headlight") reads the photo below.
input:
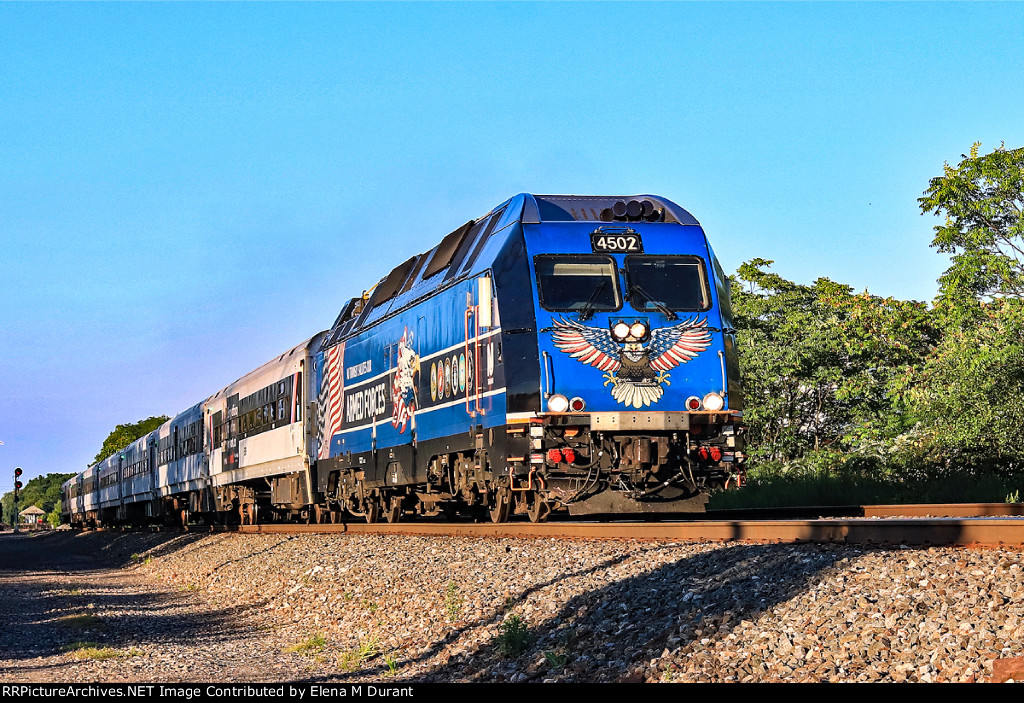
(713, 401)
(620, 330)
(638, 330)
(558, 403)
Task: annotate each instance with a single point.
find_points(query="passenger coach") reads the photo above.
(558, 353)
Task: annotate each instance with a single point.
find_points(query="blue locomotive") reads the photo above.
(560, 352)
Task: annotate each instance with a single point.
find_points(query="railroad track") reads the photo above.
(987, 524)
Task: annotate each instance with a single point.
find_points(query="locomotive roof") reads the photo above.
(458, 252)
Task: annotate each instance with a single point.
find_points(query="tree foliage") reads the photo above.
(982, 200)
(123, 435)
(842, 380)
(820, 363)
(41, 491)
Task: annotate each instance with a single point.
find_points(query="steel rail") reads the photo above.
(945, 510)
(868, 531)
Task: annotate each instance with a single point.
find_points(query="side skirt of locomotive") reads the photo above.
(639, 462)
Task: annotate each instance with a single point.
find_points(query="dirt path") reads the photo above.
(67, 617)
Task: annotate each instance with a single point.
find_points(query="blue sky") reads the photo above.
(189, 189)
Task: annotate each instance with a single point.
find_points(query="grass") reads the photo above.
(355, 658)
(313, 645)
(555, 659)
(85, 621)
(453, 602)
(513, 636)
(778, 490)
(92, 650)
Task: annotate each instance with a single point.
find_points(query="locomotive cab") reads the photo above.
(638, 406)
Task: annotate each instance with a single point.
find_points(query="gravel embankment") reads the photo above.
(369, 608)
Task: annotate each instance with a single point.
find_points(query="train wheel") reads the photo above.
(537, 509)
(394, 511)
(372, 510)
(502, 507)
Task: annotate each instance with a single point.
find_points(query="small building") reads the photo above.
(32, 516)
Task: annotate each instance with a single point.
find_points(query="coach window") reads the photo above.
(577, 283)
(669, 282)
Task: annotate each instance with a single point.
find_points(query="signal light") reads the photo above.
(554, 456)
(17, 472)
(17, 485)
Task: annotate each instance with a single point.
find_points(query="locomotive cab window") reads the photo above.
(577, 283)
(670, 282)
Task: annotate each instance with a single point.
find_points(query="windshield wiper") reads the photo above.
(587, 310)
(635, 288)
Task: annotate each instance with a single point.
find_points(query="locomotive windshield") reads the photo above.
(667, 282)
(585, 283)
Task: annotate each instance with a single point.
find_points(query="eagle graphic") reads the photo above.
(636, 371)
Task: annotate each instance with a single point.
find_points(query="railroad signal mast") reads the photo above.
(17, 487)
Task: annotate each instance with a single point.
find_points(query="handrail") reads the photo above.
(473, 408)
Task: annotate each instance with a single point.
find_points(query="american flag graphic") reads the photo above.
(403, 387)
(332, 393)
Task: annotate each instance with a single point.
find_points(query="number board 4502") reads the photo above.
(626, 242)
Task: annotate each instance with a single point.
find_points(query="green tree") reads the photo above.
(969, 391)
(822, 365)
(41, 491)
(982, 200)
(123, 435)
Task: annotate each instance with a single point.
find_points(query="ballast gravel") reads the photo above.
(355, 608)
